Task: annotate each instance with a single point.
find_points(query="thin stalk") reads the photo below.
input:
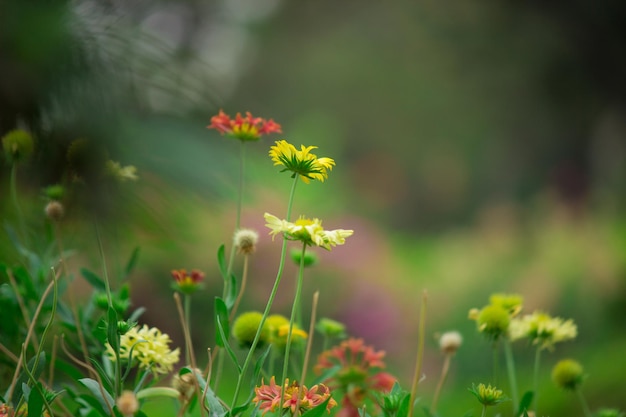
(444, 374)
(29, 335)
(484, 413)
(294, 309)
(22, 305)
(534, 403)
(244, 279)
(510, 366)
(270, 301)
(187, 302)
(16, 202)
(583, 402)
(496, 367)
(420, 354)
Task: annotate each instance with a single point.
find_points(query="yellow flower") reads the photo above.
(149, 347)
(308, 231)
(301, 162)
(488, 395)
(568, 374)
(542, 329)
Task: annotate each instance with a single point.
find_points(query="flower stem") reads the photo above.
(510, 366)
(583, 402)
(420, 354)
(484, 413)
(270, 301)
(294, 308)
(495, 362)
(187, 305)
(533, 405)
(442, 378)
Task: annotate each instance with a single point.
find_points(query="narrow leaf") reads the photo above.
(95, 281)
(131, 262)
(104, 398)
(35, 402)
(525, 402)
(221, 312)
(229, 349)
(23, 378)
(221, 261)
(233, 290)
(112, 334)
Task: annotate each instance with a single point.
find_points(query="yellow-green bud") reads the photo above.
(54, 192)
(245, 328)
(493, 321)
(331, 328)
(18, 145)
(568, 374)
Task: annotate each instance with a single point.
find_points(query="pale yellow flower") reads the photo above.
(542, 329)
(150, 348)
(308, 231)
(117, 171)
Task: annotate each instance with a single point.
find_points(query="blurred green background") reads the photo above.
(480, 148)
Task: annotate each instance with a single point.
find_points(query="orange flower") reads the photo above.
(269, 397)
(246, 128)
(359, 375)
(187, 283)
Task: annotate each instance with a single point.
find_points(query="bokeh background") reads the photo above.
(480, 148)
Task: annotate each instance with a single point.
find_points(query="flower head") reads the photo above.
(331, 328)
(245, 327)
(18, 145)
(279, 330)
(187, 283)
(513, 303)
(269, 398)
(359, 375)
(245, 240)
(308, 231)
(246, 129)
(449, 342)
(54, 210)
(568, 374)
(301, 162)
(127, 404)
(492, 320)
(150, 348)
(488, 395)
(121, 173)
(542, 329)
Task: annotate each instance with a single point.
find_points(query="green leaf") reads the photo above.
(95, 281)
(131, 262)
(104, 398)
(525, 402)
(112, 334)
(136, 314)
(221, 261)
(23, 378)
(214, 403)
(35, 401)
(327, 375)
(227, 346)
(221, 312)
(318, 411)
(233, 291)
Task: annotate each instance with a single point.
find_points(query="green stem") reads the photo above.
(510, 366)
(420, 355)
(270, 301)
(294, 309)
(533, 405)
(583, 402)
(484, 413)
(495, 362)
(16, 202)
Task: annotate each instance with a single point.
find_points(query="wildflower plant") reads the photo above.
(88, 355)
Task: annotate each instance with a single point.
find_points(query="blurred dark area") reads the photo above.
(480, 147)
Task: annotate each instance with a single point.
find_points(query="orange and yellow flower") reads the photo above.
(187, 283)
(269, 398)
(247, 129)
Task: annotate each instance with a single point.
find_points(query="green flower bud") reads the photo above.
(310, 258)
(568, 374)
(54, 192)
(18, 145)
(493, 321)
(331, 328)
(245, 328)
